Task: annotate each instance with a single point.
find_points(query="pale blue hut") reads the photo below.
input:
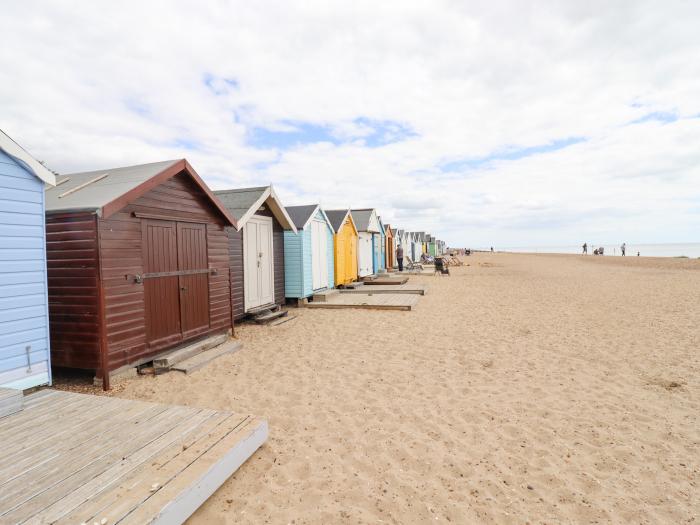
(24, 318)
(381, 263)
(308, 253)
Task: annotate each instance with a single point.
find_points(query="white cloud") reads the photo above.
(90, 85)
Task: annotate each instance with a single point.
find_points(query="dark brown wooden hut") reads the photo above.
(137, 264)
(256, 248)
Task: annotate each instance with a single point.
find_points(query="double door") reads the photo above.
(175, 280)
(365, 254)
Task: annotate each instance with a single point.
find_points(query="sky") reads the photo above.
(486, 123)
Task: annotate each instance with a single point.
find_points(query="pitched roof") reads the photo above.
(337, 218)
(19, 154)
(301, 215)
(242, 203)
(363, 219)
(109, 190)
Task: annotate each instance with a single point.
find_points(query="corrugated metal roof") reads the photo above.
(239, 201)
(91, 190)
(336, 217)
(300, 215)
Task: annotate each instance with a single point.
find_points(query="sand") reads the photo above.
(522, 389)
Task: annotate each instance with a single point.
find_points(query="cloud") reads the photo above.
(485, 123)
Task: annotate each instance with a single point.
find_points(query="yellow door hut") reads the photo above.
(345, 245)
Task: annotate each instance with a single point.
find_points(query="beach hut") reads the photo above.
(417, 246)
(308, 254)
(256, 248)
(24, 321)
(137, 264)
(431, 246)
(367, 225)
(380, 252)
(390, 247)
(345, 246)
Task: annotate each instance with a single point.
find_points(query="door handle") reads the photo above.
(183, 288)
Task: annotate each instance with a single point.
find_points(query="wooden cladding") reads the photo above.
(186, 293)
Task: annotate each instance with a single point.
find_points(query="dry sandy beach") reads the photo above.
(523, 389)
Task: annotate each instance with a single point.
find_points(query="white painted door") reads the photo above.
(319, 255)
(259, 286)
(364, 254)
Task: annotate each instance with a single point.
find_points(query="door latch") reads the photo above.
(28, 349)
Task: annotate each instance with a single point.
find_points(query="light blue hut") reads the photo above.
(24, 318)
(382, 245)
(308, 254)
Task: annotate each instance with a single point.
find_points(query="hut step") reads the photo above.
(199, 361)
(323, 295)
(11, 401)
(270, 315)
(170, 359)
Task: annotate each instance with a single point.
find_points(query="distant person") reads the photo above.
(637, 254)
(585, 248)
(399, 257)
(623, 248)
(491, 249)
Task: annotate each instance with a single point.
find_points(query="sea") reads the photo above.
(691, 249)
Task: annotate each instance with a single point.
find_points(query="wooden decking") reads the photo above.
(367, 301)
(418, 289)
(385, 281)
(74, 458)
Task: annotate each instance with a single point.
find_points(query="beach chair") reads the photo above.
(412, 265)
(441, 266)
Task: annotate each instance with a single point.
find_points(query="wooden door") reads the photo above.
(258, 269)
(364, 254)
(319, 257)
(161, 292)
(194, 277)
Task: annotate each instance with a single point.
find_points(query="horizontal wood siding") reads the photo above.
(294, 264)
(121, 258)
(235, 254)
(24, 330)
(71, 251)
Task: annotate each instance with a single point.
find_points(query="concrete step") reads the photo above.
(354, 285)
(270, 315)
(199, 361)
(178, 355)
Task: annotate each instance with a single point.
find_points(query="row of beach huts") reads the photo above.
(109, 268)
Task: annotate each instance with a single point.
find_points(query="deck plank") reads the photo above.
(110, 452)
(369, 301)
(418, 289)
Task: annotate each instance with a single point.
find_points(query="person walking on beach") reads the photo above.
(585, 248)
(399, 257)
(623, 248)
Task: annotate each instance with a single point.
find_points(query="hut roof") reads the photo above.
(17, 152)
(242, 203)
(301, 215)
(337, 218)
(363, 220)
(109, 190)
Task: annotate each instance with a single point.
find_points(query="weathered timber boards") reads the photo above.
(369, 301)
(95, 458)
(418, 289)
(386, 281)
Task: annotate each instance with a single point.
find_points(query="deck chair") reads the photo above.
(441, 266)
(412, 265)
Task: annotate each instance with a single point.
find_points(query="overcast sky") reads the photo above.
(486, 123)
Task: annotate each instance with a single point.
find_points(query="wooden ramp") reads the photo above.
(385, 281)
(381, 301)
(74, 458)
(418, 289)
